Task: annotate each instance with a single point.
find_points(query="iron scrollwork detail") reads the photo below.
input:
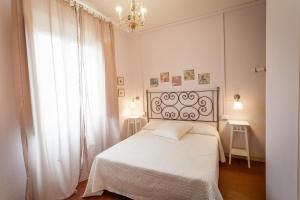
(186, 106)
(203, 103)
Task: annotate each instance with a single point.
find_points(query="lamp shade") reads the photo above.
(132, 104)
(237, 105)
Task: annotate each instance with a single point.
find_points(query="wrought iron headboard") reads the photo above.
(202, 106)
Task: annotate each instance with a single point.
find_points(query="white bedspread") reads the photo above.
(150, 167)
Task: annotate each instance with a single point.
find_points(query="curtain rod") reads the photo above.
(89, 9)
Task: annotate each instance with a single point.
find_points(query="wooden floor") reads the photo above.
(236, 182)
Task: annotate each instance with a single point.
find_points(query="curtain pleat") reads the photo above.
(111, 83)
(66, 91)
(99, 87)
(22, 86)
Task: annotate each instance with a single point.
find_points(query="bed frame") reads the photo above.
(201, 106)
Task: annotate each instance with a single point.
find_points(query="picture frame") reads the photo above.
(164, 77)
(121, 92)
(176, 81)
(120, 81)
(189, 75)
(204, 78)
(154, 82)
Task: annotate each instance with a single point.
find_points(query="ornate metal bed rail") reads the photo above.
(200, 106)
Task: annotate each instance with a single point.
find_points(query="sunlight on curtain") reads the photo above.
(58, 106)
(73, 92)
(54, 155)
(100, 131)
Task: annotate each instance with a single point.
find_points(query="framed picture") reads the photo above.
(204, 78)
(154, 82)
(120, 80)
(121, 92)
(164, 77)
(189, 75)
(176, 81)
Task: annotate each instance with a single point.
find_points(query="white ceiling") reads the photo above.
(162, 12)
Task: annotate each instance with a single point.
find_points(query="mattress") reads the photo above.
(146, 167)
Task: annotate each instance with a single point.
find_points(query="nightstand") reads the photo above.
(239, 127)
(134, 124)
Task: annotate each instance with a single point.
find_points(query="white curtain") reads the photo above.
(72, 75)
(99, 87)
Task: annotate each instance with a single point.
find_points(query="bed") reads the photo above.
(147, 166)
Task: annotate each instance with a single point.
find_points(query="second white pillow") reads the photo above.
(173, 129)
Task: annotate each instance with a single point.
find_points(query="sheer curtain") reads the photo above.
(99, 86)
(71, 77)
(54, 148)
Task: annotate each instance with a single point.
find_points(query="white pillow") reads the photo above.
(153, 124)
(173, 130)
(202, 128)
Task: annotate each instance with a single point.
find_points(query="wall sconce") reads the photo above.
(237, 105)
(133, 102)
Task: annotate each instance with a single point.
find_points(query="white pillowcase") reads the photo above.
(153, 124)
(173, 129)
(197, 127)
(202, 128)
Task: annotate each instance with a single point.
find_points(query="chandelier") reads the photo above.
(136, 18)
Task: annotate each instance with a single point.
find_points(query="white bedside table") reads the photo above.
(134, 124)
(239, 127)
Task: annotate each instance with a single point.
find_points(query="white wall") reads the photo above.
(195, 45)
(12, 172)
(245, 32)
(127, 67)
(199, 45)
(283, 22)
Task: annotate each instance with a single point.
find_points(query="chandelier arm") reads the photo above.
(136, 18)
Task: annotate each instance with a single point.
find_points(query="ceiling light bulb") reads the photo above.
(119, 9)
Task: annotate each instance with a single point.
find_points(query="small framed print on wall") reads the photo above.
(120, 80)
(189, 75)
(176, 81)
(164, 77)
(121, 92)
(204, 78)
(153, 82)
